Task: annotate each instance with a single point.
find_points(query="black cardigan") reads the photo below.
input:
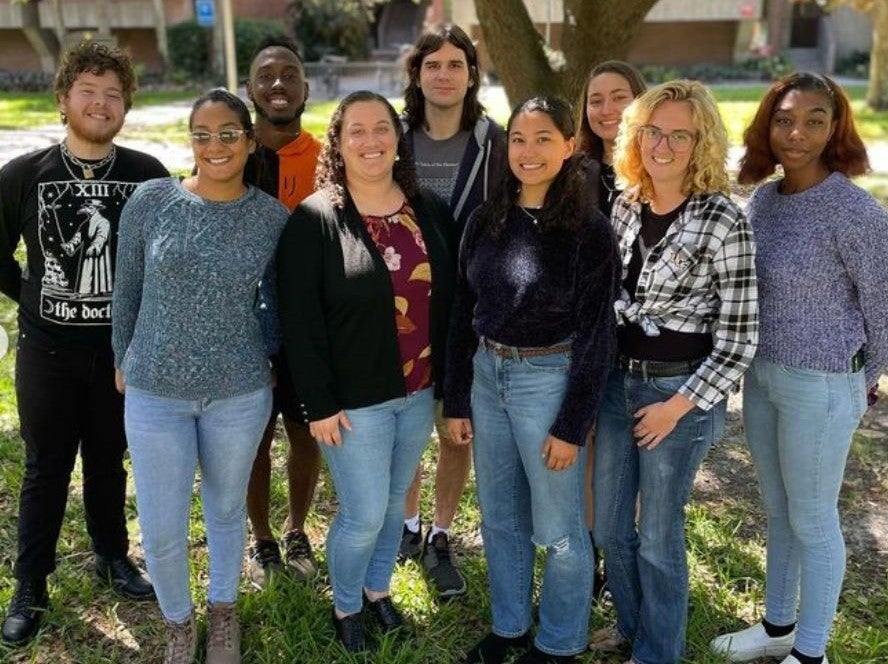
(337, 305)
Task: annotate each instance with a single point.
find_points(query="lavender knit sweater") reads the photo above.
(822, 264)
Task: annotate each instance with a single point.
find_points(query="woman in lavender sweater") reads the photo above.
(822, 243)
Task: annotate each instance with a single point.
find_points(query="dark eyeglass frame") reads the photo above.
(226, 136)
(652, 134)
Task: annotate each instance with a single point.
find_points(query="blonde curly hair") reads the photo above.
(706, 173)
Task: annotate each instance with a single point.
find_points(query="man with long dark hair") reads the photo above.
(459, 153)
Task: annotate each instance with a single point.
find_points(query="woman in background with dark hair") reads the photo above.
(529, 349)
(365, 283)
(610, 88)
(191, 353)
(821, 261)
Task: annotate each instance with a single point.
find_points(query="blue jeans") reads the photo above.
(371, 471)
(799, 424)
(168, 438)
(514, 403)
(647, 570)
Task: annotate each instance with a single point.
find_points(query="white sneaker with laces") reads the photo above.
(752, 643)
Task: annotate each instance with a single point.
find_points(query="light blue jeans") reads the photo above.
(647, 570)
(168, 439)
(799, 424)
(371, 471)
(523, 504)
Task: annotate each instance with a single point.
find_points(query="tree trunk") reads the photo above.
(877, 92)
(160, 32)
(592, 32)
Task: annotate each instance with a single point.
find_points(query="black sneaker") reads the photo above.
(411, 544)
(350, 631)
(436, 561)
(299, 556)
(25, 611)
(385, 613)
(493, 648)
(124, 577)
(264, 561)
(537, 656)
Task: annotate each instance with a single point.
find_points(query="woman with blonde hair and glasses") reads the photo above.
(688, 330)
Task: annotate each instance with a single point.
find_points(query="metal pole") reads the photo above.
(228, 39)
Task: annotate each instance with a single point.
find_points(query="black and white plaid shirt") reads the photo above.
(699, 278)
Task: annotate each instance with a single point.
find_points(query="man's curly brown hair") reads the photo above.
(95, 58)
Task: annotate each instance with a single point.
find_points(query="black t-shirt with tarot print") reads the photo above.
(69, 227)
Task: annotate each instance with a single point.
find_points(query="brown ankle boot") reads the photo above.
(223, 634)
(181, 641)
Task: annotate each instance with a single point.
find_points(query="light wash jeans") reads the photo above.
(514, 403)
(168, 439)
(371, 471)
(799, 424)
(647, 570)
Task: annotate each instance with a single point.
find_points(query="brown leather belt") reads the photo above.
(519, 352)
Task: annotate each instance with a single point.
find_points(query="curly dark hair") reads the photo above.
(845, 151)
(330, 173)
(567, 202)
(95, 58)
(414, 100)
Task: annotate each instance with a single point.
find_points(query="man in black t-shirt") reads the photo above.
(65, 202)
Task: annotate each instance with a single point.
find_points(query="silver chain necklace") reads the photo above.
(87, 169)
(535, 221)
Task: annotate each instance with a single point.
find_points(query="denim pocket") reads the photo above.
(668, 385)
(803, 373)
(558, 362)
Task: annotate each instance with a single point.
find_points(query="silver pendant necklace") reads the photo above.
(536, 222)
(87, 169)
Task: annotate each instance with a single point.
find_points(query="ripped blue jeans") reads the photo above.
(647, 570)
(524, 505)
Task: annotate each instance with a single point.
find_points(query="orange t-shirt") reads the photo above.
(296, 169)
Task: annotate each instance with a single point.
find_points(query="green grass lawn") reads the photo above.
(289, 622)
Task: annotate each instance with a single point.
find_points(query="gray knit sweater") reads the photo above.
(822, 264)
(185, 318)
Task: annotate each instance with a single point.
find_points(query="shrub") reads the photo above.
(191, 45)
(330, 26)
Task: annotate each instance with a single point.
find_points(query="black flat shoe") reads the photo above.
(493, 648)
(25, 612)
(384, 612)
(536, 656)
(124, 577)
(350, 631)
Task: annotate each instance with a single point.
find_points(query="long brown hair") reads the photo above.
(588, 142)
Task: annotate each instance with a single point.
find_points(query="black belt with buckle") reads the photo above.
(657, 369)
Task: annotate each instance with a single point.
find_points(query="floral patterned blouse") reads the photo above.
(400, 243)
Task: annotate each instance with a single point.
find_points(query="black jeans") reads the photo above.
(66, 401)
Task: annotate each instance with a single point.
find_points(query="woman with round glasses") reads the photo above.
(191, 350)
(688, 329)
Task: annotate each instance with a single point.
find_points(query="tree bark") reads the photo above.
(877, 91)
(592, 32)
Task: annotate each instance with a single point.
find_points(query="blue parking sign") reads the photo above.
(205, 12)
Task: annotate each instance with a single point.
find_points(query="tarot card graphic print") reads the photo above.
(77, 224)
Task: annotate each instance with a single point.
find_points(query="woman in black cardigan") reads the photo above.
(365, 271)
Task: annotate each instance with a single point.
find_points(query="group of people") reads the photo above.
(568, 300)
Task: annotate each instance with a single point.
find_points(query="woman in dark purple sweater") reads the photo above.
(531, 340)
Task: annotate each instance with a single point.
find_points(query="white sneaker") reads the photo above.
(792, 660)
(752, 643)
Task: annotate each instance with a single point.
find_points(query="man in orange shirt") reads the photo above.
(287, 156)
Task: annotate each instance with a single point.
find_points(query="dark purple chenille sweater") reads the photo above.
(530, 289)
